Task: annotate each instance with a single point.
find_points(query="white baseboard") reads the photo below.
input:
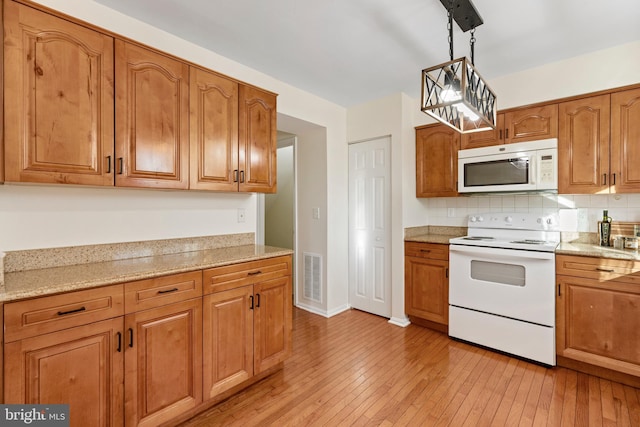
(323, 313)
(400, 321)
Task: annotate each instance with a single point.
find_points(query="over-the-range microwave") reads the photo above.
(523, 166)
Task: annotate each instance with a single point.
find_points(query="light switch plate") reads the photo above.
(241, 215)
(315, 213)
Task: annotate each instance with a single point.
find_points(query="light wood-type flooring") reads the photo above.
(356, 369)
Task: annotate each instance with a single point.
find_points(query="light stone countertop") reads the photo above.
(431, 238)
(587, 249)
(45, 281)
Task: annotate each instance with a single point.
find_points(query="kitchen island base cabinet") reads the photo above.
(81, 366)
(597, 316)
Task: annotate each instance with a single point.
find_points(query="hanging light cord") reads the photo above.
(472, 42)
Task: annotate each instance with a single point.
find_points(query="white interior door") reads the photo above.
(369, 226)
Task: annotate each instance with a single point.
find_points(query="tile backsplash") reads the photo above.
(578, 212)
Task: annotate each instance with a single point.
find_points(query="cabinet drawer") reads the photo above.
(159, 291)
(232, 276)
(33, 317)
(601, 269)
(426, 250)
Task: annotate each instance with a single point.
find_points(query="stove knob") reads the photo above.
(508, 219)
(539, 221)
(549, 220)
(480, 219)
(472, 219)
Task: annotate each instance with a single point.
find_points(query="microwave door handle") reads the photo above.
(533, 172)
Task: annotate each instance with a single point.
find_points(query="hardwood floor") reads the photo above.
(356, 369)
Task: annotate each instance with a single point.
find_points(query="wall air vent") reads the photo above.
(312, 277)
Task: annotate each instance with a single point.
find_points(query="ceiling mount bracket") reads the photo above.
(464, 13)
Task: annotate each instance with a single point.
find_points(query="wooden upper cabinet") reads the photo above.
(530, 124)
(520, 125)
(437, 161)
(152, 119)
(214, 132)
(257, 140)
(484, 138)
(625, 141)
(58, 100)
(583, 146)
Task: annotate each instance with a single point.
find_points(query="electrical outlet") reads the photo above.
(315, 213)
(241, 215)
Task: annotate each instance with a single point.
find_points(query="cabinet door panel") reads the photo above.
(227, 340)
(598, 323)
(214, 131)
(258, 141)
(79, 366)
(484, 138)
(272, 321)
(57, 130)
(437, 161)
(583, 146)
(163, 362)
(625, 141)
(152, 119)
(530, 124)
(427, 289)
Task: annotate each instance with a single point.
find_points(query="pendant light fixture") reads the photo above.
(454, 93)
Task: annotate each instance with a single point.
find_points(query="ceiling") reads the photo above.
(353, 51)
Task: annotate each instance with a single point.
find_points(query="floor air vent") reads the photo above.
(312, 276)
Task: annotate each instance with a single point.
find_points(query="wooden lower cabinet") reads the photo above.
(80, 366)
(247, 331)
(163, 362)
(151, 352)
(272, 323)
(597, 313)
(228, 340)
(426, 269)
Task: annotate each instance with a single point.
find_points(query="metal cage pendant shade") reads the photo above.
(454, 93)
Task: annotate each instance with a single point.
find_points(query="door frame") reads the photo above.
(260, 220)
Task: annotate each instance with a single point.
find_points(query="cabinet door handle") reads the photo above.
(614, 179)
(604, 179)
(241, 177)
(235, 175)
(506, 133)
(251, 306)
(446, 273)
(257, 300)
(559, 292)
(500, 136)
(130, 337)
(108, 164)
(119, 334)
(253, 273)
(120, 165)
(77, 310)
(606, 270)
(166, 291)
(425, 250)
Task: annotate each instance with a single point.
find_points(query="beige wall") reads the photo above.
(278, 207)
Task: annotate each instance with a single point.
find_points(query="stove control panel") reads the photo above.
(515, 220)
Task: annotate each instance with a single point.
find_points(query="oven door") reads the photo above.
(513, 283)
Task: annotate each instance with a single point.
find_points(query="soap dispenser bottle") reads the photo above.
(605, 228)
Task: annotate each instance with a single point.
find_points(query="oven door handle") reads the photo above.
(483, 251)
